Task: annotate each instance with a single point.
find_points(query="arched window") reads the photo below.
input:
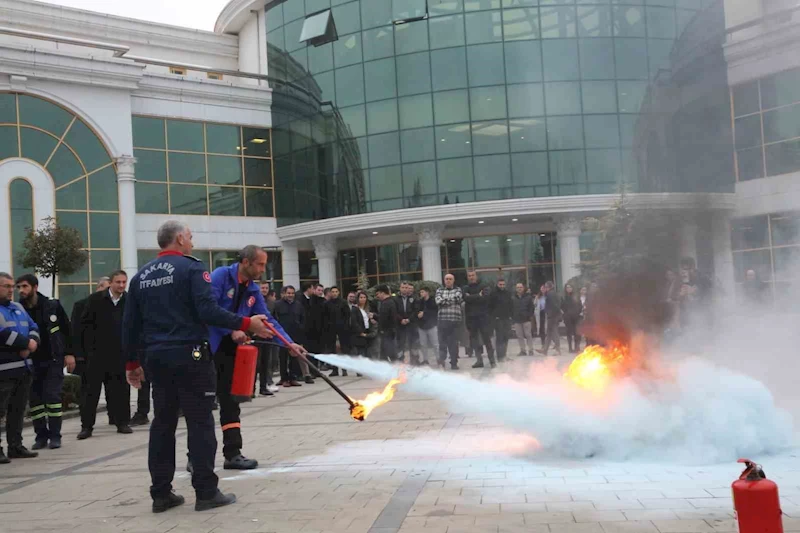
(84, 175)
(21, 201)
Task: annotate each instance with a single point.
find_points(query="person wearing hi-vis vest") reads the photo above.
(19, 336)
(235, 288)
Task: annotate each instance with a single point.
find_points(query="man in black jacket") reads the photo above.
(77, 341)
(553, 311)
(54, 353)
(524, 317)
(426, 319)
(387, 322)
(101, 325)
(337, 324)
(291, 316)
(476, 309)
(407, 335)
(500, 307)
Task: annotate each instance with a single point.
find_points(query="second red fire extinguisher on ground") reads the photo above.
(756, 501)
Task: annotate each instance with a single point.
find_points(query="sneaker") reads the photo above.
(125, 429)
(139, 419)
(85, 433)
(309, 380)
(39, 445)
(273, 388)
(240, 462)
(218, 500)
(478, 365)
(3, 459)
(168, 502)
(21, 452)
(54, 444)
(266, 392)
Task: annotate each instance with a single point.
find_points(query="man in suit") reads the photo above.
(407, 335)
(77, 342)
(101, 325)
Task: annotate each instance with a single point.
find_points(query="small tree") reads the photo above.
(362, 283)
(52, 250)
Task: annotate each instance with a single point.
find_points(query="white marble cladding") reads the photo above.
(212, 232)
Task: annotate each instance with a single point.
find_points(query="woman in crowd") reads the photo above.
(364, 327)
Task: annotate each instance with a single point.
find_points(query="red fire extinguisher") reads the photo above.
(756, 502)
(244, 373)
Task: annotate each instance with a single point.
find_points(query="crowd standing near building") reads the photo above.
(174, 331)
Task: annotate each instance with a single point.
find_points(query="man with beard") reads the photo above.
(337, 322)
(19, 336)
(54, 353)
(500, 308)
(101, 329)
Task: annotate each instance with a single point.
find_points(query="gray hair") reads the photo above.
(168, 231)
(104, 279)
(250, 252)
(549, 285)
(6, 275)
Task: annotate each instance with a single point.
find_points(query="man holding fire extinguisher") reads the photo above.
(235, 288)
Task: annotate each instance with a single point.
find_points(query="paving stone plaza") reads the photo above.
(411, 467)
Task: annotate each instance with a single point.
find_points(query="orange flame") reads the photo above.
(363, 408)
(596, 366)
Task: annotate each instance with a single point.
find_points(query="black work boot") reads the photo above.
(85, 433)
(3, 459)
(240, 462)
(20, 452)
(218, 500)
(167, 502)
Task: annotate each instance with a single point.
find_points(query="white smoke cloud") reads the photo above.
(700, 413)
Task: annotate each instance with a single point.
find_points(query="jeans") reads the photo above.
(524, 337)
(502, 332)
(480, 334)
(448, 341)
(552, 335)
(290, 366)
(428, 343)
(267, 361)
(13, 400)
(389, 346)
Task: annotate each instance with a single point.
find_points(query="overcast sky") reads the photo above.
(200, 14)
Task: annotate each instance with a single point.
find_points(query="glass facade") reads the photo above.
(447, 101)
(767, 125)
(770, 245)
(530, 259)
(21, 200)
(214, 259)
(84, 176)
(197, 168)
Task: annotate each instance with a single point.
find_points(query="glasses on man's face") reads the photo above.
(7, 286)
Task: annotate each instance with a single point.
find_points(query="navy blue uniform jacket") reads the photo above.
(224, 284)
(170, 305)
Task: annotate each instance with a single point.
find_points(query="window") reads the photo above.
(319, 29)
(180, 71)
(214, 76)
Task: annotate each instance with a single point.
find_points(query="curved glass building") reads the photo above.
(454, 101)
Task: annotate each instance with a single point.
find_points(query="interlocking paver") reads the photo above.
(413, 467)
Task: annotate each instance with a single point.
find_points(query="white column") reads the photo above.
(326, 251)
(126, 187)
(290, 264)
(723, 256)
(430, 249)
(688, 238)
(568, 234)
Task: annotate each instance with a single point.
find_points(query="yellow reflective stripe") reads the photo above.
(37, 417)
(37, 408)
(53, 406)
(55, 329)
(54, 415)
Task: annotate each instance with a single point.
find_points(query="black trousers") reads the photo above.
(389, 346)
(267, 358)
(542, 325)
(48, 378)
(118, 394)
(480, 334)
(448, 341)
(229, 410)
(502, 332)
(408, 340)
(181, 382)
(13, 401)
(571, 325)
(290, 366)
(143, 400)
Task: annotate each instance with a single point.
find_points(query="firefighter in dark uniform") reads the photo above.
(49, 360)
(19, 336)
(169, 309)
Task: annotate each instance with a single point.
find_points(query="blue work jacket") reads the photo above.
(17, 328)
(224, 284)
